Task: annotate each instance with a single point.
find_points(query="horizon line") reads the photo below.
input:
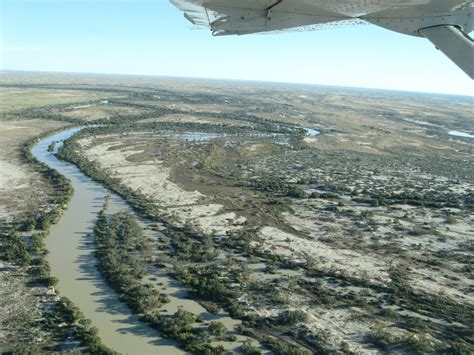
(242, 80)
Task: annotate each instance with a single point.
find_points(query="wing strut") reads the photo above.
(453, 42)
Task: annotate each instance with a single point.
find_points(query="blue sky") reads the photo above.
(151, 37)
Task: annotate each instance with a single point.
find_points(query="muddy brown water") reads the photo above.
(71, 257)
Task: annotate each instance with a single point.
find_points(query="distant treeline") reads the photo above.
(429, 199)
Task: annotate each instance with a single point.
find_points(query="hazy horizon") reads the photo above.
(150, 76)
(151, 37)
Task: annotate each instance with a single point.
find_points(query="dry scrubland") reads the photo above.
(23, 194)
(30, 318)
(21, 188)
(357, 239)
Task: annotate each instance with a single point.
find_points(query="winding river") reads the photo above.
(71, 257)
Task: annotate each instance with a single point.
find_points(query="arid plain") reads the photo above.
(301, 219)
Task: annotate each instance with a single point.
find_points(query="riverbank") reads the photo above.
(33, 317)
(331, 276)
(354, 240)
(72, 260)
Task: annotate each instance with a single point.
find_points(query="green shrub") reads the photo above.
(292, 317)
(248, 349)
(13, 249)
(218, 329)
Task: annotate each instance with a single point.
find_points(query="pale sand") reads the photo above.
(152, 179)
(292, 247)
(12, 176)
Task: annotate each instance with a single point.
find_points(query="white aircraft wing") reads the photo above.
(240, 17)
(446, 23)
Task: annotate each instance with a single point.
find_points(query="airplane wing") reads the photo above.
(446, 23)
(241, 17)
